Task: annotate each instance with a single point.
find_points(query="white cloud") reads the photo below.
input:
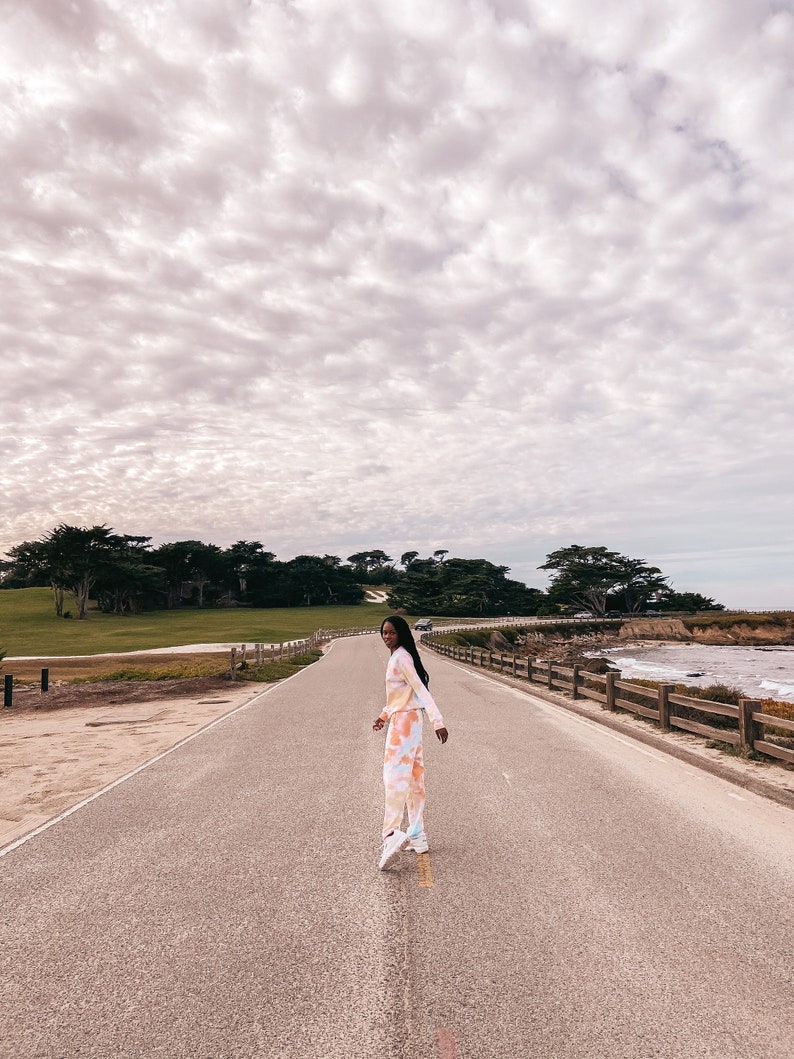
(489, 276)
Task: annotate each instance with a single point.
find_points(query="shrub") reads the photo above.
(270, 671)
(779, 709)
(166, 671)
(714, 693)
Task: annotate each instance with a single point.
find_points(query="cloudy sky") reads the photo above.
(494, 276)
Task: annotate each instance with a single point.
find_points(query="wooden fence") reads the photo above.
(278, 652)
(743, 725)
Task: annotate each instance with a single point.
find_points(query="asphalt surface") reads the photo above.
(590, 897)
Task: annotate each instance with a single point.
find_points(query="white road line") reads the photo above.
(479, 676)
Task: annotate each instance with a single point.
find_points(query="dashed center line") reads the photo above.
(424, 871)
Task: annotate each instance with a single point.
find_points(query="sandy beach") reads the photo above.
(59, 748)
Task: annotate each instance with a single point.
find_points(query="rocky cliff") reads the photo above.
(740, 634)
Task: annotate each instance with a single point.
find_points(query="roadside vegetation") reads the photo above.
(270, 671)
(730, 696)
(192, 667)
(94, 669)
(181, 669)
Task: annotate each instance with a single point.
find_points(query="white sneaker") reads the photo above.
(419, 845)
(392, 845)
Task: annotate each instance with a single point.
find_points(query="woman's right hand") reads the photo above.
(377, 724)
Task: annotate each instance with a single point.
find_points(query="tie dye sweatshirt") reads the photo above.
(405, 690)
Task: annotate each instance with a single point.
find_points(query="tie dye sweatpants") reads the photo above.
(404, 773)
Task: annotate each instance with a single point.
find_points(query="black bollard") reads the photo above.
(9, 691)
(45, 680)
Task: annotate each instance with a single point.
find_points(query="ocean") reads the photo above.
(761, 672)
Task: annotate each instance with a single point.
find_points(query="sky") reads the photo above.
(488, 276)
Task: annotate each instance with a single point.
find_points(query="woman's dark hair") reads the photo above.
(405, 638)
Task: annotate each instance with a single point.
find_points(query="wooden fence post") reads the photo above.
(575, 688)
(664, 705)
(550, 676)
(234, 663)
(8, 691)
(45, 680)
(749, 730)
(609, 688)
(530, 668)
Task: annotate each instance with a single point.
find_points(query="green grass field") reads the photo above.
(28, 626)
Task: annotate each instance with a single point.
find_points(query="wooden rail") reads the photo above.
(743, 725)
(277, 652)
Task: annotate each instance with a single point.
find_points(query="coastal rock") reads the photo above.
(674, 630)
(500, 643)
(744, 634)
(655, 629)
(600, 665)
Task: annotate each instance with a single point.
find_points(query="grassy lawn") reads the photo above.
(28, 626)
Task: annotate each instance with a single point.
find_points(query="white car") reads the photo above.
(423, 625)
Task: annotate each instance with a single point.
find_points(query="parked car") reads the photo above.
(583, 614)
(613, 614)
(653, 614)
(423, 625)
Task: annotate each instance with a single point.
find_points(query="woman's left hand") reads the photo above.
(377, 724)
(442, 734)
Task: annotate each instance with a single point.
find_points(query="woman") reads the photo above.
(403, 769)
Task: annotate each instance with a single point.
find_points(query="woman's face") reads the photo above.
(389, 634)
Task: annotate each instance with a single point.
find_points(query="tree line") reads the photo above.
(125, 574)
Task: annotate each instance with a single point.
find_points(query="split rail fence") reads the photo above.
(744, 725)
(278, 652)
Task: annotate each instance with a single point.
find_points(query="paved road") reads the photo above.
(591, 897)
